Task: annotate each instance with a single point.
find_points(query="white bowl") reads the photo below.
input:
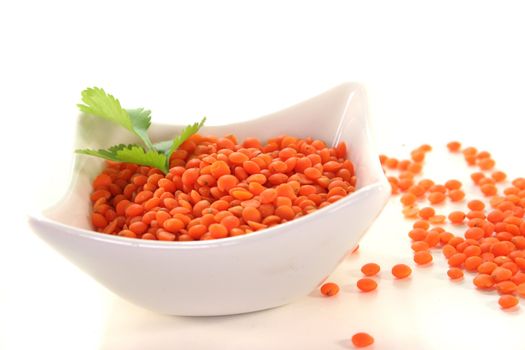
(234, 275)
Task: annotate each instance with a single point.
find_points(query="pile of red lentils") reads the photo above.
(218, 188)
(490, 238)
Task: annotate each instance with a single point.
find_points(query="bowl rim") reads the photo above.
(380, 184)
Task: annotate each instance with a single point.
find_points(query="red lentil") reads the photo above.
(436, 197)
(453, 146)
(453, 185)
(483, 281)
(366, 284)
(422, 257)
(456, 195)
(361, 340)
(370, 269)
(401, 271)
(420, 246)
(329, 289)
(456, 217)
(437, 219)
(521, 290)
(506, 287)
(507, 301)
(427, 212)
(455, 273)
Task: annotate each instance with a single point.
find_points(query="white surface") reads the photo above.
(235, 275)
(450, 70)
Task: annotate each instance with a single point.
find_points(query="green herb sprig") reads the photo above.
(101, 104)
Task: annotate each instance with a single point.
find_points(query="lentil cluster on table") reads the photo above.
(491, 243)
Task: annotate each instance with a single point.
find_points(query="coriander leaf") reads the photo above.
(101, 153)
(130, 154)
(136, 154)
(141, 121)
(163, 146)
(183, 136)
(101, 104)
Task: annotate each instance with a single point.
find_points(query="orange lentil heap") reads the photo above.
(218, 187)
(491, 239)
(491, 242)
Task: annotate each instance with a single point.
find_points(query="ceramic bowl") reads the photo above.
(234, 275)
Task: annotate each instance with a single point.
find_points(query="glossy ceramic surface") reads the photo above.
(234, 275)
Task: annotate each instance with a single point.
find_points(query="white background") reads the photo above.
(434, 72)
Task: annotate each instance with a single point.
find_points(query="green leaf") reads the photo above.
(141, 121)
(103, 105)
(183, 136)
(101, 153)
(130, 154)
(136, 154)
(163, 146)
